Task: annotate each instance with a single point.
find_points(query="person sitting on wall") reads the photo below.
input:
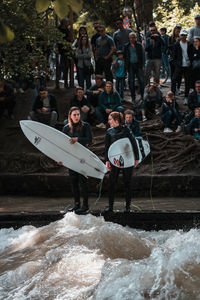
(94, 91)
(44, 108)
(7, 100)
(109, 101)
(80, 101)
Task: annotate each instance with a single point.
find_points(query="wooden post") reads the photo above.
(71, 38)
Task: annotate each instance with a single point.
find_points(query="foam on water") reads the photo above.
(84, 257)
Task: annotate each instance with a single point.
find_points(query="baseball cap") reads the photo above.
(183, 32)
(197, 16)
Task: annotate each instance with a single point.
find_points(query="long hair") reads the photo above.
(70, 122)
(117, 116)
(113, 89)
(80, 41)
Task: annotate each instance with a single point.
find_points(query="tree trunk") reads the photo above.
(144, 11)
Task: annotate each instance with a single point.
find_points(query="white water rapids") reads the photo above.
(84, 257)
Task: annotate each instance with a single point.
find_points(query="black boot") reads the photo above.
(109, 208)
(84, 207)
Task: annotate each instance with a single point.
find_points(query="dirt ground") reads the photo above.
(175, 153)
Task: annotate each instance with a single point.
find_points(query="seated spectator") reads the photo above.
(194, 97)
(169, 113)
(44, 108)
(195, 124)
(94, 91)
(109, 100)
(132, 124)
(120, 73)
(152, 100)
(82, 103)
(7, 100)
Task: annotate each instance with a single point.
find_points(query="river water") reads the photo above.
(84, 257)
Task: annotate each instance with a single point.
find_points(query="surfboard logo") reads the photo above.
(119, 162)
(37, 140)
(82, 161)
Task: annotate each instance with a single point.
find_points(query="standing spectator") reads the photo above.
(134, 64)
(64, 61)
(195, 30)
(83, 56)
(182, 55)
(105, 48)
(44, 108)
(194, 97)
(121, 36)
(94, 91)
(93, 40)
(153, 47)
(82, 31)
(195, 124)
(172, 41)
(165, 62)
(131, 123)
(81, 102)
(109, 101)
(7, 100)
(120, 73)
(195, 58)
(169, 113)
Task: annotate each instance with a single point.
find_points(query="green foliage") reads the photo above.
(172, 13)
(35, 37)
(42, 5)
(6, 35)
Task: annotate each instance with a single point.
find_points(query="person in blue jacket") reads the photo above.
(109, 101)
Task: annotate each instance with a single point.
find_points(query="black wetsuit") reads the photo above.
(112, 135)
(84, 137)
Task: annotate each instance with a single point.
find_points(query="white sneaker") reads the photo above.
(178, 129)
(185, 102)
(144, 119)
(21, 90)
(167, 130)
(157, 111)
(101, 125)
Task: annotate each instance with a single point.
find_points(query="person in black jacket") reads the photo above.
(79, 131)
(81, 102)
(131, 123)
(44, 108)
(182, 57)
(134, 64)
(170, 112)
(194, 97)
(195, 124)
(195, 60)
(116, 132)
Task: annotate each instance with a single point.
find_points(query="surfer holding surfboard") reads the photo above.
(79, 131)
(116, 132)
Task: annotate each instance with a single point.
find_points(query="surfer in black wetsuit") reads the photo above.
(116, 132)
(79, 131)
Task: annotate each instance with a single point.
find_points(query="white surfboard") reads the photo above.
(121, 154)
(55, 144)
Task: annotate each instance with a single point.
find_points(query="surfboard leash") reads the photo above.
(99, 186)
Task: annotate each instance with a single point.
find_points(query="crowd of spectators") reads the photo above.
(127, 54)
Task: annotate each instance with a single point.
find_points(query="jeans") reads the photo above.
(135, 71)
(104, 65)
(153, 65)
(169, 116)
(101, 113)
(64, 64)
(48, 119)
(165, 63)
(120, 85)
(77, 180)
(179, 71)
(113, 176)
(82, 77)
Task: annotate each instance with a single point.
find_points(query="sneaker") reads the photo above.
(108, 209)
(101, 125)
(185, 102)
(144, 119)
(178, 129)
(167, 130)
(157, 112)
(81, 210)
(21, 90)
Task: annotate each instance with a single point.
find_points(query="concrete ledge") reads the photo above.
(45, 184)
(146, 220)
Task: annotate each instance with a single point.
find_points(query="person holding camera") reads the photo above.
(153, 46)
